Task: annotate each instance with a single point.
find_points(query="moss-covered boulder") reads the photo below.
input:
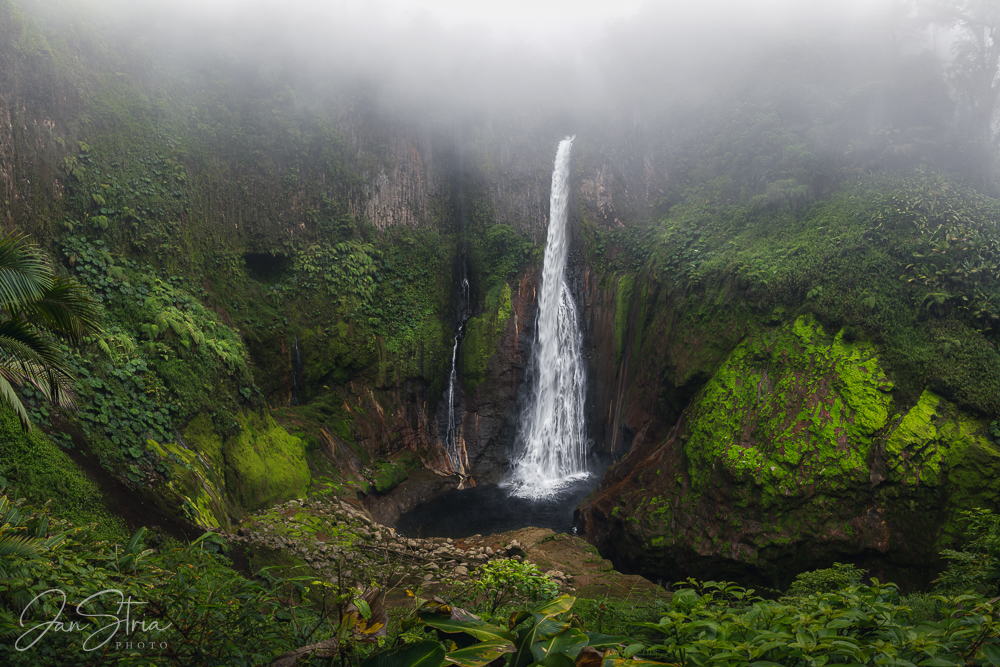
(793, 454)
(787, 410)
(264, 464)
(213, 479)
(936, 446)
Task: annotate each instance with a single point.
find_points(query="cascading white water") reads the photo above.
(296, 368)
(450, 436)
(552, 437)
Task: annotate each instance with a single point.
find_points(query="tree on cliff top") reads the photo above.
(37, 309)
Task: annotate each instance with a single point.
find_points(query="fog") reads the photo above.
(608, 63)
(443, 54)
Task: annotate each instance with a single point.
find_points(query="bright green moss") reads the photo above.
(483, 333)
(623, 299)
(264, 464)
(862, 385)
(912, 450)
(936, 444)
(200, 434)
(196, 484)
(258, 466)
(390, 474)
(789, 408)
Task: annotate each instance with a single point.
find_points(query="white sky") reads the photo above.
(534, 20)
(519, 12)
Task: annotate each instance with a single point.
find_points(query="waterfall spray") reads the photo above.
(553, 445)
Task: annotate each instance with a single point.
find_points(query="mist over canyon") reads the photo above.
(320, 235)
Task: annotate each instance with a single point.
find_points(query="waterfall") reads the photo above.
(296, 368)
(553, 445)
(451, 435)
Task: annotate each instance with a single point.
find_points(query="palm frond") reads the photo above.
(10, 514)
(66, 309)
(26, 357)
(10, 397)
(20, 546)
(24, 273)
(37, 305)
(20, 340)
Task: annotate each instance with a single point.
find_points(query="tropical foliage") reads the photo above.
(38, 309)
(206, 613)
(976, 566)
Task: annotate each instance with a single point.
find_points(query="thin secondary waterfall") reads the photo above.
(296, 369)
(451, 435)
(554, 448)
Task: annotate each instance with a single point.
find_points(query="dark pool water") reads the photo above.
(491, 509)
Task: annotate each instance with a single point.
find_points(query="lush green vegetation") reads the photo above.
(38, 307)
(218, 215)
(907, 262)
(207, 613)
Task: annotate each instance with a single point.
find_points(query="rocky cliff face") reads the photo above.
(751, 443)
(794, 453)
(494, 352)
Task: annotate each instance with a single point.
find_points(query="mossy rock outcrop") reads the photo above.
(795, 453)
(214, 478)
(483, 333)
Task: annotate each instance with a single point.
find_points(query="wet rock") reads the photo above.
(515, 549)
(420, 487)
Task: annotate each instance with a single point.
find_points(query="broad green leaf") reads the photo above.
(992, 653)
(568, 642)
(480, 654)
(559, 605)
(478, 629)
(598, 640)
(557, 660)
(550, 627)
(631, 650)
(419, 654)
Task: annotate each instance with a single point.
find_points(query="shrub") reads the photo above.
(505, 582)
(975, 568)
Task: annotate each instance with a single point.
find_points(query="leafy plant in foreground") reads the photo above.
(859, 625)
(976, 567)
(36, 307)
(504, 582)
(547, 634)
(204, 612)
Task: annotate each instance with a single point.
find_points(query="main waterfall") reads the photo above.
(551, 436)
